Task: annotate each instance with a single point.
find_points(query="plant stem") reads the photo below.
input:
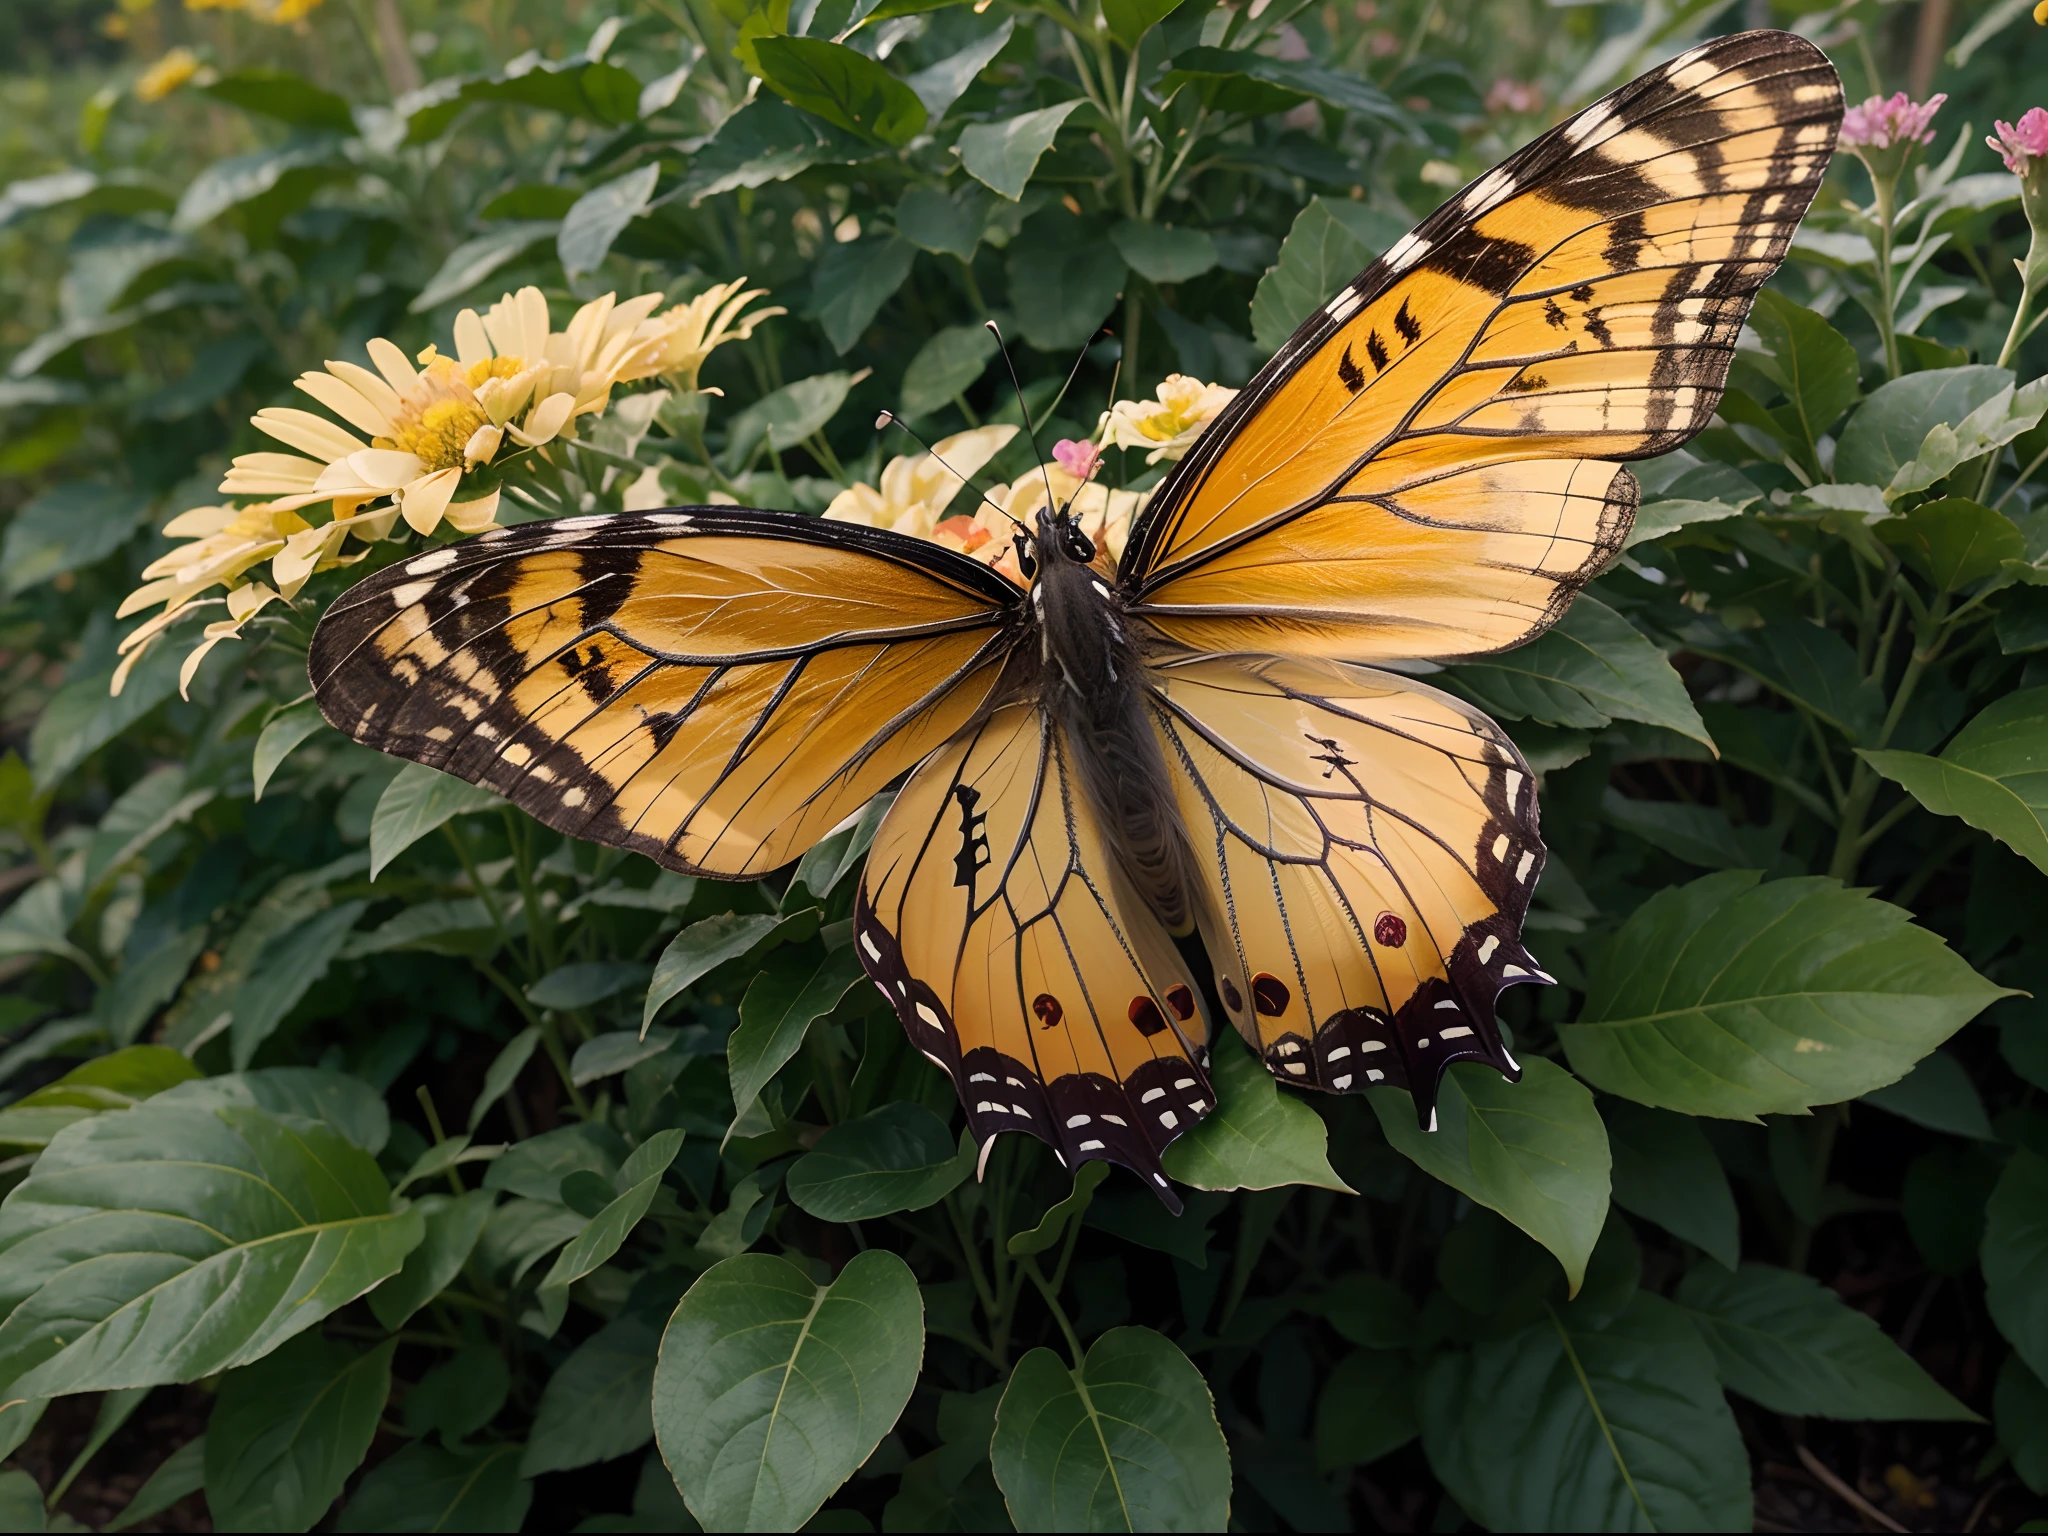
(1887, 320)
(1059, 1313)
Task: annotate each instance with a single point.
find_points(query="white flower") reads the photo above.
(916, 490)
(1169, 424)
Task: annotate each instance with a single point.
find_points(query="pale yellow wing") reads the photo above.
(714, 687)
(1371, 845)
(991, 917)
(1426, 467)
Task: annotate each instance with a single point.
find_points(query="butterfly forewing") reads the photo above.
(716, 688)
(1421, 470)
(993, 917)
(1371, 844)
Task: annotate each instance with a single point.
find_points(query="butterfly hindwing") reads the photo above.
(1371, 844)
(714, 687)
(991, 915)
(1425, 468)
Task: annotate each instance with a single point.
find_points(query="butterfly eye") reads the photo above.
(1026, 561)
(1079, 546)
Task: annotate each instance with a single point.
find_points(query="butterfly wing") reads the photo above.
(1425, 468)
(715, 687)
(1371, 844)
(991, 915)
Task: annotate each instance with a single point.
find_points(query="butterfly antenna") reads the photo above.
(1024, 411)
(1075, 372)
(890, 418)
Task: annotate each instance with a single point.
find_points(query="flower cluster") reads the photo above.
(1169, 423)
(2023, 143)
(175, 68)
(1889, 122)
(427, 426)
(916, 489)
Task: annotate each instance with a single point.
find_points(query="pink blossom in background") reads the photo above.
(1513, 96)
(1077, 459)
(1880, 124)
(2017, 143)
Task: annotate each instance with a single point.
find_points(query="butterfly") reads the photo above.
(1139, 801)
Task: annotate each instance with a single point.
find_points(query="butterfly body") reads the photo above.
(1092, 765)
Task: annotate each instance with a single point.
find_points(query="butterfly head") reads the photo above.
(1061, 532)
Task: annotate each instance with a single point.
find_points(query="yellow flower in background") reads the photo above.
(282, 13)
(167, 74)
(1105, 515)
(2041, 14)
(1168, 424)
(678, 340)
(917, 489)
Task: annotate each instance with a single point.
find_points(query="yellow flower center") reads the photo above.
(440, 415)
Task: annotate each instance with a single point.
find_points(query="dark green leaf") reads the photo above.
(473, 261)
(285, 729)
(348, 1104)
(81, 717)
(1367, 1409)
(115, 1081)
(1590, 668)
(1136, 1216)
(66, 529)
(1164, 254)
(1002, 156)
(1053, 1225)
(845, 88)
(460, 1395)
(285, 96)
(1809, 665)
(1331, 241)
(1561, 1428)
(428, 1488)
(2016, 1257)
(945, 366)
(1127, 1443)
(940, 85)
(177, 1476)
(1889, 427)
(287, 1433)
(1256, 1137)
(418, 801)
(453, 1225)
(2020, 1407)
(1943, 1199)
(1130, 20)
(1298, 79)
(1953, 542)
(1784, 1340)
(1535, 1151)
(584, 982)
(854, 281)
(772, 1390)
(1938, 1094)
(1993, 775)
(1064, 277)
(256, 1225)
(595, 1406)
(900, 1157)
(536, 1166)
(945, 226)
(699, 950)
(1665, 1171)
(786, 417)
(775, 1015)
(291, 964)
(1811, 361)
(600, 216)
(1727, 997)
(636, 1181)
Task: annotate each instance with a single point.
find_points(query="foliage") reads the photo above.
(487, 1177)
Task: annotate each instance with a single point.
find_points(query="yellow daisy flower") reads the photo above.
(167, 74)
(917, 489)
(1168, 424)
(678, 340)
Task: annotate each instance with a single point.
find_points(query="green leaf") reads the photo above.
(845, 88)
(288, 1432)
(285, 730)
(775, 1015)
(1993, 775)
(1130, 20)
(1657, 518)
(945, 226)
(942, 84)
(1567, 1428)
(945, 366)
(699, 950)
(1699, 834)
(1053, 1225)
(1943, 1197)
(1809, 665)
(1367, 1409)
(460, 1395)
(503, 1072)
(788, 416)
(1136, 1216)
(595, 1407)
(427, 1488)
(1064, 278)
(1164, 254)
(536, 1166)
(617, 1051)
(147, 809)
(1938, 1094)
(1665, 1171)
(1810, 360)
(1256, 1137)
(2015, 1257)
(1954, 542)
(1535, 1151)
(1003, 155)
(1279, 83)
(1727, 997)
(170, 1242)
(577, 86)
(289, 967)
(418, 801)
(1590, 668)
(1331, 241)
(288, 97)
(347, 1104)
(118, 1080)
(2019, 1404)
(291, 171)
(1889, 427)
(1786, 1341)
(178, 1475)
(473, 261)
(600, 216)
(637, 1179)
(1127, 1443)
(584, 982)
(67, 529)
(453, 1225)
(81, 717)
(772, 1390)
(900, 1157)
(853, 282)
(21, 1502)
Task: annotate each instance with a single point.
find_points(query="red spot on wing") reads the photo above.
(1389, 931)
(1048, 1009)
(1269, 994)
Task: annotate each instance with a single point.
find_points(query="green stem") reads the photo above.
(1865, 780)
(1887, 320)
(2037, 260)
(1059, 1313)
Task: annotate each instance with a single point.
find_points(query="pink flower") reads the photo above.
(1881, 124)
(1077, 459)
(2017, 143)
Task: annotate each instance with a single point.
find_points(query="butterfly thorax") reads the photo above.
(1092, 681)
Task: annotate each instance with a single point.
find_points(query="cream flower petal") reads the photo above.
(427, 498)
(365, 383)
(244, 603)
(347, 402)
(384, 468)
(545, 423)
(215, 633)
(261, 474)
(482, 444)
(148, 596)
(198, 522)
(398, 371)
(475, 516)
(306, 432)
(472, 345)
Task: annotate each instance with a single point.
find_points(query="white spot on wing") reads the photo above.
(426, 564)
